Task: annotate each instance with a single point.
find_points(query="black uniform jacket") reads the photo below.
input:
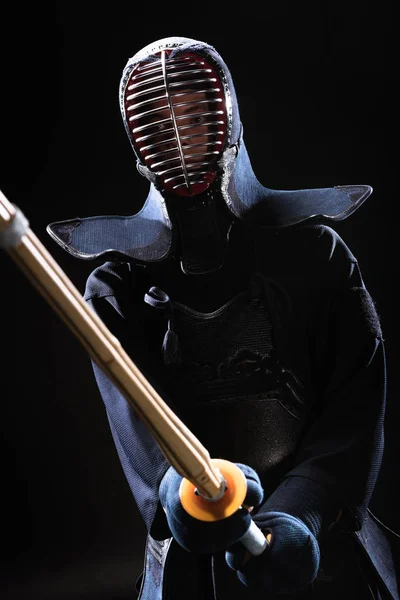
(277, 361)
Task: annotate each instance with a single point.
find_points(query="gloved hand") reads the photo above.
(201, 536)
(295, 515)
(290, 562)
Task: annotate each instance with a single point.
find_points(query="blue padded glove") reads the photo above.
(288, 565)
(207, 537)
(295, 515)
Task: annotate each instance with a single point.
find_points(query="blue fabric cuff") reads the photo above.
(302, 498)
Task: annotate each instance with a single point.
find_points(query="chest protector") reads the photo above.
(228, 382)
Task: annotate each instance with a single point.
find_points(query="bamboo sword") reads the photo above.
(221, 486)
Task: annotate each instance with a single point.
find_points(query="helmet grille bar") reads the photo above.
(183, 137)
(174, 121)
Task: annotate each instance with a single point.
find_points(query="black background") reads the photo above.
(317, 94)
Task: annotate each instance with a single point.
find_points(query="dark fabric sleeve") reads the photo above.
(338, 461)
(141, 458)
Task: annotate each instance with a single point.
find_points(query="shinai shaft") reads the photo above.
(181, 448)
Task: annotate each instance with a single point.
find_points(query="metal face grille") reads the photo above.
(176, 114)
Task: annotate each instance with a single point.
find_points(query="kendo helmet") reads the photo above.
(179, 108)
